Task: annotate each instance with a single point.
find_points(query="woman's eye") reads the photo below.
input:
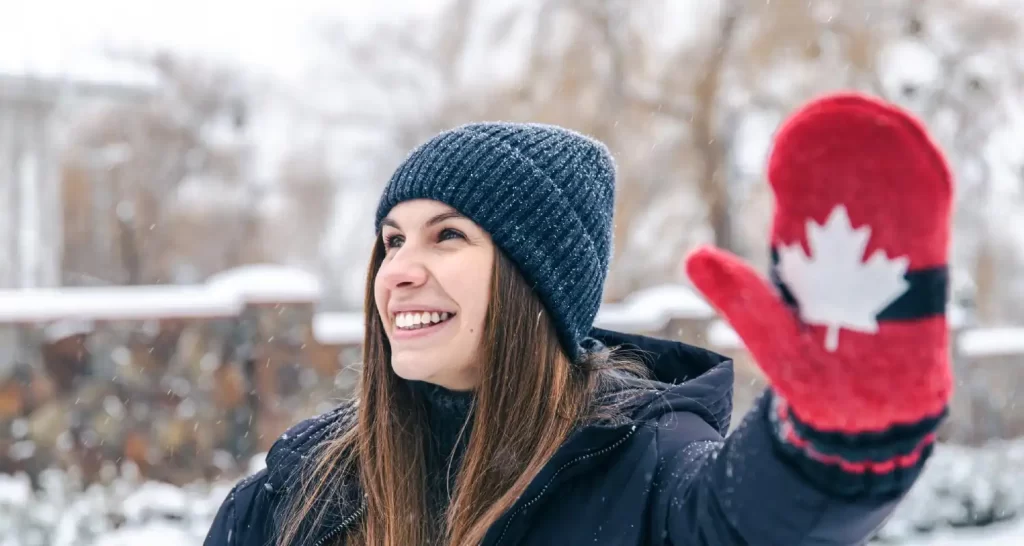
(393, 241)
(449, 233)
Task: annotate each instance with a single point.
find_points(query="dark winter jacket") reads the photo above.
(669, 478)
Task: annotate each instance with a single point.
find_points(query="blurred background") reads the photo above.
(187, 192)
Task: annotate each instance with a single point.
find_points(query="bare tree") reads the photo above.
(582, 65)
(681, 119)
(711, 143)
(152, 185)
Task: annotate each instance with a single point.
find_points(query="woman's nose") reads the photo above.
(405, 269)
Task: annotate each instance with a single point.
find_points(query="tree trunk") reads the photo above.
(714, 181)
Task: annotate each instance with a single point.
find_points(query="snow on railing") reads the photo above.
(226, 294)
(644, 311)
(115, 303)
(722, 336)
(651, 309)
(974, 342)
(338, 328)
(267, 283)
(223, 295)
(982, 342)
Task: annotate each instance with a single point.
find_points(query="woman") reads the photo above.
(492, 412)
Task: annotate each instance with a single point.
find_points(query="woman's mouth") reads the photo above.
(420, 320)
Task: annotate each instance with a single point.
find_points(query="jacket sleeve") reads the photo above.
(755, 488)
(230, 526)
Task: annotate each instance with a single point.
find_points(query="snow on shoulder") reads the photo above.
(267, 283)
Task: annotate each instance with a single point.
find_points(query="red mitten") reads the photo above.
(851, 330)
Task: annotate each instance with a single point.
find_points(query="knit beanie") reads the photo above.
(546, 196)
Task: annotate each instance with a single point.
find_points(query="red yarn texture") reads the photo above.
(880, 163)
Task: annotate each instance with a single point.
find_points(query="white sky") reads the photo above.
(266, 35)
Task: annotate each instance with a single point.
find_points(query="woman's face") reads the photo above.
(432, 292)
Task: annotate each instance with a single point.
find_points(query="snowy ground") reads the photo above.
(966, 497)
(1010, 534)
(961, 487)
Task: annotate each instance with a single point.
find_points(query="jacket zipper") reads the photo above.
(342, 526)
(534, 500)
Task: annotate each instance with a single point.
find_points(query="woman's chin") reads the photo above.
(417, 371)
(412, 370)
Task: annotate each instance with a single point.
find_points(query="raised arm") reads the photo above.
(850, 332)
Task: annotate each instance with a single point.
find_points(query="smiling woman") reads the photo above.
(492, 412)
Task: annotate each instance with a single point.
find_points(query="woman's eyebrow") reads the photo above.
(444, 216)
(431, 222)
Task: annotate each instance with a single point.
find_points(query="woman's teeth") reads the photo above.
(412, 321)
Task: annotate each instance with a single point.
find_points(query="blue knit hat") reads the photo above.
(545, 194)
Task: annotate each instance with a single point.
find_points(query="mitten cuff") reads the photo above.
(873, 464)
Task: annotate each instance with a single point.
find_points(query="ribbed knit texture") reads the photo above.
(446, 411)
(870, 464)
(545, 194)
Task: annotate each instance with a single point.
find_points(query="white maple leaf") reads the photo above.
(834, 286)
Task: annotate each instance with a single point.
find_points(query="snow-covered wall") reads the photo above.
(225, 294)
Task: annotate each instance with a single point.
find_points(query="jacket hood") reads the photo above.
(686, 378)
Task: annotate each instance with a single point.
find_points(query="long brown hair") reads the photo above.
(529, 400)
